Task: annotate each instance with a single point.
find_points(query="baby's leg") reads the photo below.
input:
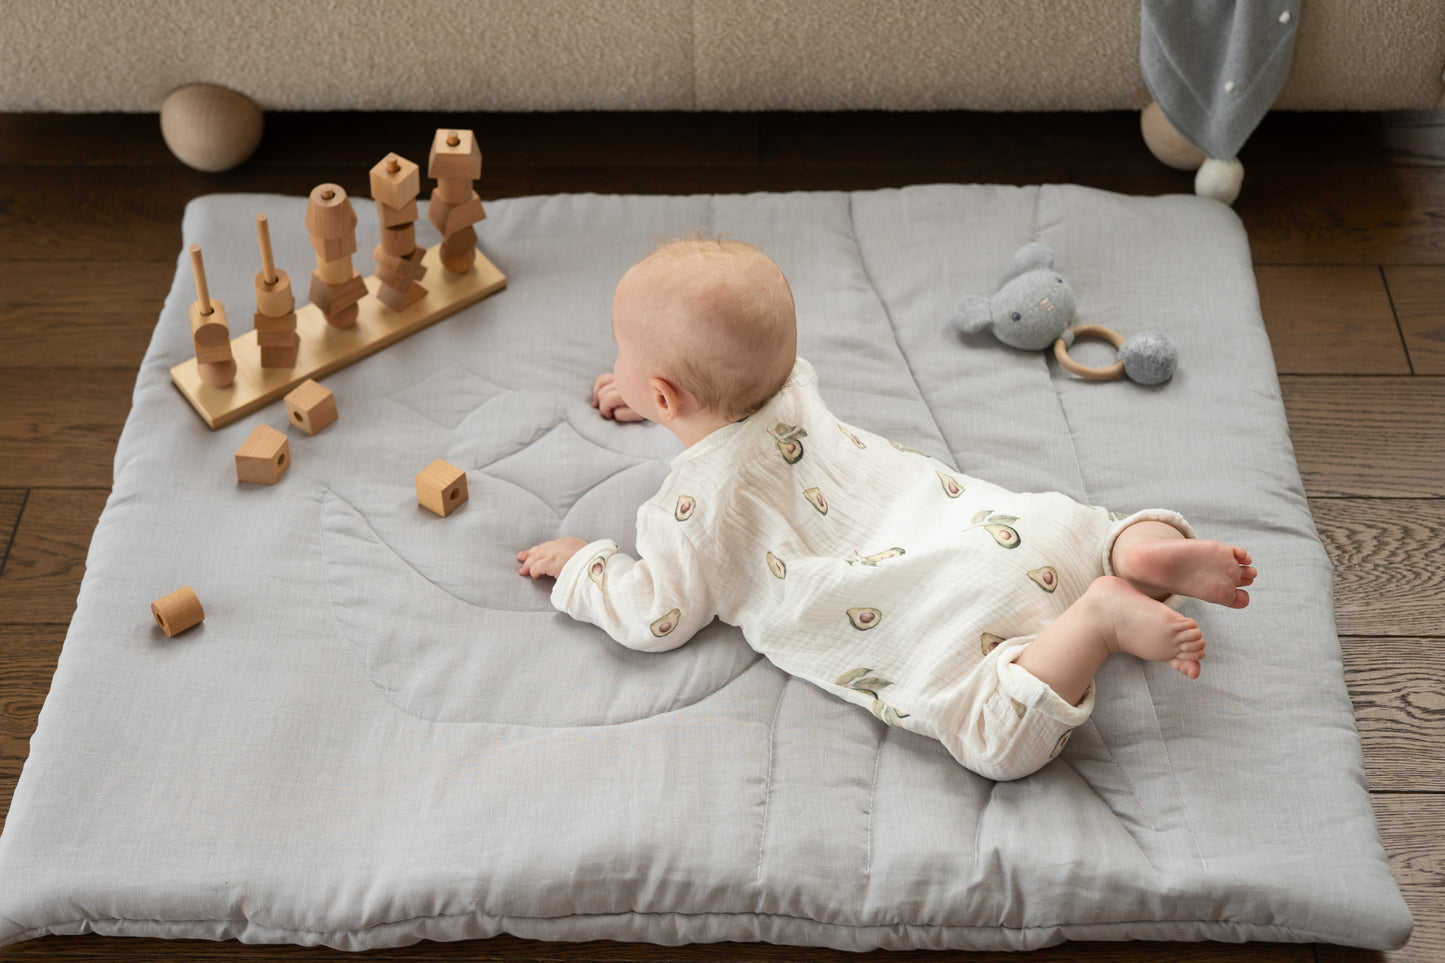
(1159, 561)
(1111, 616)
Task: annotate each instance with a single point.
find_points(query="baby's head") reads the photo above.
(713, 317)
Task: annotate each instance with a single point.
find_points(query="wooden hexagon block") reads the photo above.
(311, 406)
(264, 456)
(441, 487)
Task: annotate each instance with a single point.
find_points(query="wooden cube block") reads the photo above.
(311, 406)
(396, 216)
(264, 456)
(282, 322)
(332, 298)
(454, 153)
(400, 298)
(451, 218)
(329, 212)
(441, 487)
(274, 299)
(280, 357)
(284, 338)
(395, 187)
(178, 611)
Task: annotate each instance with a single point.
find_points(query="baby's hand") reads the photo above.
(608, 401)
(549, 557)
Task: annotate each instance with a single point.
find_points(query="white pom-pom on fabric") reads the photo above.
(1219, 179)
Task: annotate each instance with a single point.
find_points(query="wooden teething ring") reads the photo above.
(1061, 351)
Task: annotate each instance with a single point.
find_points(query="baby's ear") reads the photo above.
(1031, 257)
(972, 314)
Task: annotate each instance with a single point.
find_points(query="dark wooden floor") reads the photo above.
(1346, 218)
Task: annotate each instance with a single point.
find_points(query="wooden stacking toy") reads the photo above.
(395, 184)
(210, 334)
(335, 285)
(275, 308)
(455, 161)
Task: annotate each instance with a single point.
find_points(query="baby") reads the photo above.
(946, 605)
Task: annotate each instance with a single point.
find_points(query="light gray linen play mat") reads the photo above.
(382, 733)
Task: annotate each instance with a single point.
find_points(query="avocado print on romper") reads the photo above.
(912, 451)
(997, 526)
(1046, 578)
(852, 437)
(816, 499)
(789, 441)
(686, 505)
(876, 557)
(864, 618)
(862, 680)
(988, 642)
(951, 487)
(664, 626)
(597, 569)
(777, 566)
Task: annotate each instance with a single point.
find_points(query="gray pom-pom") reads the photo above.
(1149, 358)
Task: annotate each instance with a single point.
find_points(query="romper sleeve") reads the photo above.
(653, 603)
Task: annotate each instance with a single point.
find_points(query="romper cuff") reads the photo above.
(1033, 693)
(1147, 515)
(575, 571)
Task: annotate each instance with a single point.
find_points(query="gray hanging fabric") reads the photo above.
(1216, 66)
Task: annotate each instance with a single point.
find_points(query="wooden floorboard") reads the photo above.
(1345, 215)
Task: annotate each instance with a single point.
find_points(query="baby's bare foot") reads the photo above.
(1133, 622)
(1211, 571)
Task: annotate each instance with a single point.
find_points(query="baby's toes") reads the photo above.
(1186, 667)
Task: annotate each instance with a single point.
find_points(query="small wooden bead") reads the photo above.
(400, 240)
(178, 611)
(263, 457)
(441, 487)
(311, 406)
(216, 374)
(459, 251)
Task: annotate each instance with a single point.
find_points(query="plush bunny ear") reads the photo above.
(972, 314)
(1031, 257)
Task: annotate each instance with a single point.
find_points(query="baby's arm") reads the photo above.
(608, 401)
(653, 603)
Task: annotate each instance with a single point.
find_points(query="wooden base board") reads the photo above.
(325, 349)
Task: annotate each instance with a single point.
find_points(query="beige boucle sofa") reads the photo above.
(735, 55)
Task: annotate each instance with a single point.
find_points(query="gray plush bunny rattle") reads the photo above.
(1035, 308)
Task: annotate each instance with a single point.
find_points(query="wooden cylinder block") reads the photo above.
(459, 251)
(338, 271)
(329, 213)
(210, 334)
(454, 190)
(178, 611)
(277, 298)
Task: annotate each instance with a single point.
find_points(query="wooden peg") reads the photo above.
(178, 611)
(311, 406)
(198, 270)
(264, 457)
(441, 487)
(210, 336)
(268, 264)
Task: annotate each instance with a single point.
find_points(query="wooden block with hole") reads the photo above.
(454, 154)
(395, 181)
(441, 487)
(311, 406)
(178, 611)
(264, 457)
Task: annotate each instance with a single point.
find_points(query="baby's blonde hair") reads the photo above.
(730, 336)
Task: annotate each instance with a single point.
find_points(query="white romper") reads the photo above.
(867, 568)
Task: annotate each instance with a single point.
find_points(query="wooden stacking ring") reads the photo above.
(1061, 351)
(178, 611)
